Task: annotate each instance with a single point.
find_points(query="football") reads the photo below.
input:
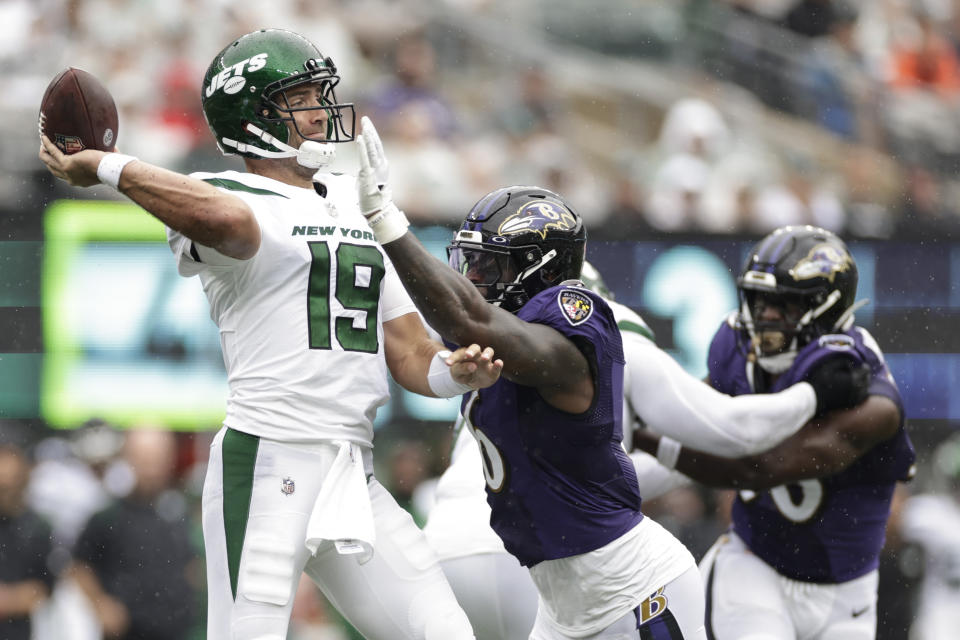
(77, 112)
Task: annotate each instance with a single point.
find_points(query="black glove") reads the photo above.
(840, 383)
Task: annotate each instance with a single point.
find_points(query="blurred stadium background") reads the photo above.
(681, 130)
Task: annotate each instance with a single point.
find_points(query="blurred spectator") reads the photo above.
(79, 460)
(735, 183)
(873, 185)
(693, 138)
(676, 192)
(321, 21)
(925, 212)
(408, 468)
(427, 175)
(533, 107)
(177, 113)
(413, 81)
(696, 127)
(134, 558)
(625, 216)
(932, 521)
(838, 91)
(802, 198)
(115, 24)
(552, 161)
(926, 60)
(925, 93)
(25, 545)
(811, 18)
(17, 20)
(768, 9)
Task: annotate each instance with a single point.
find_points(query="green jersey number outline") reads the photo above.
(350, 293)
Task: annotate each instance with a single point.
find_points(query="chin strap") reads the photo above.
(773, 364)
(813, 314)
(311, 154)
(845, 321)
(532, 269)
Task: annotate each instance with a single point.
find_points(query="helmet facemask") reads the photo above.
(778, 326)
(505, 277)
(780, 322)
(277, 106)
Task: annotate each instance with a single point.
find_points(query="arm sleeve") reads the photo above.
(674, 403)
(653, 478)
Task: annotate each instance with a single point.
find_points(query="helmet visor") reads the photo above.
(489, 270)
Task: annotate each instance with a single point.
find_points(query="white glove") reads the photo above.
(376, 202)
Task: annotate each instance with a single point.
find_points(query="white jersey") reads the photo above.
(301, 321)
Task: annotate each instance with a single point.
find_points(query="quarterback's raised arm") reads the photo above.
(196, 209)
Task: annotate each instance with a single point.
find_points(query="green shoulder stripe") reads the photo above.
(626, 325)
(233, 185)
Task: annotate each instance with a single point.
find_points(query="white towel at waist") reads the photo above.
(342, 511)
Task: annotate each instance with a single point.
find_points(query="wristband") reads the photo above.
(441, 379)
(110, 168)
(388, 224)
(668, 450)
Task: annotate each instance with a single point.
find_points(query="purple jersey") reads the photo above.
(830, 529)
(559, 484)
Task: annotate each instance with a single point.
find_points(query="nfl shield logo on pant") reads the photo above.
(287, 486)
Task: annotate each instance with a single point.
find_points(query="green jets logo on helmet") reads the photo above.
(232, 80)
(244, 101)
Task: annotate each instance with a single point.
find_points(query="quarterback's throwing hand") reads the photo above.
(474, 366)
(78, 169)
